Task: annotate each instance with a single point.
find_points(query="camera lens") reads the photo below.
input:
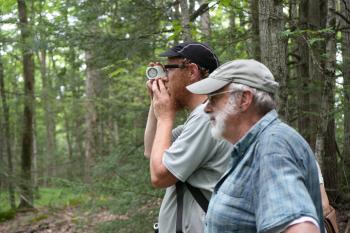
(152, 72)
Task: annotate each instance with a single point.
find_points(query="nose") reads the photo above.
(208, 107)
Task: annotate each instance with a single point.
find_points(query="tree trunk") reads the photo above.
(35, 159)
(7, 137)
(345, 10)
(185, 21)
(293, 72)
(92, 90)
(316, 71)
(26, 199)
(254, 17)
(3, 165)
(330, 167)
(49, 118)
(303, 88)
(69, 143)
(205, 25)
(273, 51)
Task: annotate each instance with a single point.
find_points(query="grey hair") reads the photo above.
(263, 101)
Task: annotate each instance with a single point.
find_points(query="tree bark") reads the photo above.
(185, 21)
(92, 90)
(316, 13)
(49, 118)
(26, 199)
(35, 159)
(232, 34)
(273, 49)
(205, 25)
(7, 137)
(303, 89)
(3, 165)
(325, 141)
(254, 17)
(293, 72)
(345, 45)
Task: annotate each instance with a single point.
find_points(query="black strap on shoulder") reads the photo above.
(179, 200)
(197, 195)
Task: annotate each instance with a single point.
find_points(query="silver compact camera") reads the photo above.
(153, 72)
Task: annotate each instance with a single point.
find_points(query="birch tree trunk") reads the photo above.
(345, 45)
(185, 21)
(26, 199)
(293, 72)
(273, 49)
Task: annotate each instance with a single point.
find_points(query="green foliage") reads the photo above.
(59, 197)
(7, 215)
(7, 5)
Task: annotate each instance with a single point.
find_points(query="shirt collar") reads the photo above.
(243, 144)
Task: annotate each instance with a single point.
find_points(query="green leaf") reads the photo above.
(118, 71)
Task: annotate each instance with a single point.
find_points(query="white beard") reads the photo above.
(218, 129)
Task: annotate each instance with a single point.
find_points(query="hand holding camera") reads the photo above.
(153, 72)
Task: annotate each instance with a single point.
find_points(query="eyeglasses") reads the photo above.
(173, 66)
(211, 96)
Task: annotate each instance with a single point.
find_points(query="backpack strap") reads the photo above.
(179, 200)
(197, 195)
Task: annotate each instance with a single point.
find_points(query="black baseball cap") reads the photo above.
(199, 53)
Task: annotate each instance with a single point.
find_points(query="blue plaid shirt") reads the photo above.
(273, 180)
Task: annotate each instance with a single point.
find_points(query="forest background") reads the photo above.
(74, 104)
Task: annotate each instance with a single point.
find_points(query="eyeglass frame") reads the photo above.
(185, 62)
(210, 96)
(173, 66)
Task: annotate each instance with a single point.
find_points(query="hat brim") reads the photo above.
(206, 86)
(170, 53)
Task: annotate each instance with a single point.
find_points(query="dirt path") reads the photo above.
(68, 220)
(74, 220)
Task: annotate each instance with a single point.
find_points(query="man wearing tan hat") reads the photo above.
(272, 184)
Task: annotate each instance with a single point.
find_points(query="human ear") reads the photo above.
(246, 100)
(194, 72)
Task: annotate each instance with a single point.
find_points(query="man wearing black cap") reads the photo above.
(187, 153)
